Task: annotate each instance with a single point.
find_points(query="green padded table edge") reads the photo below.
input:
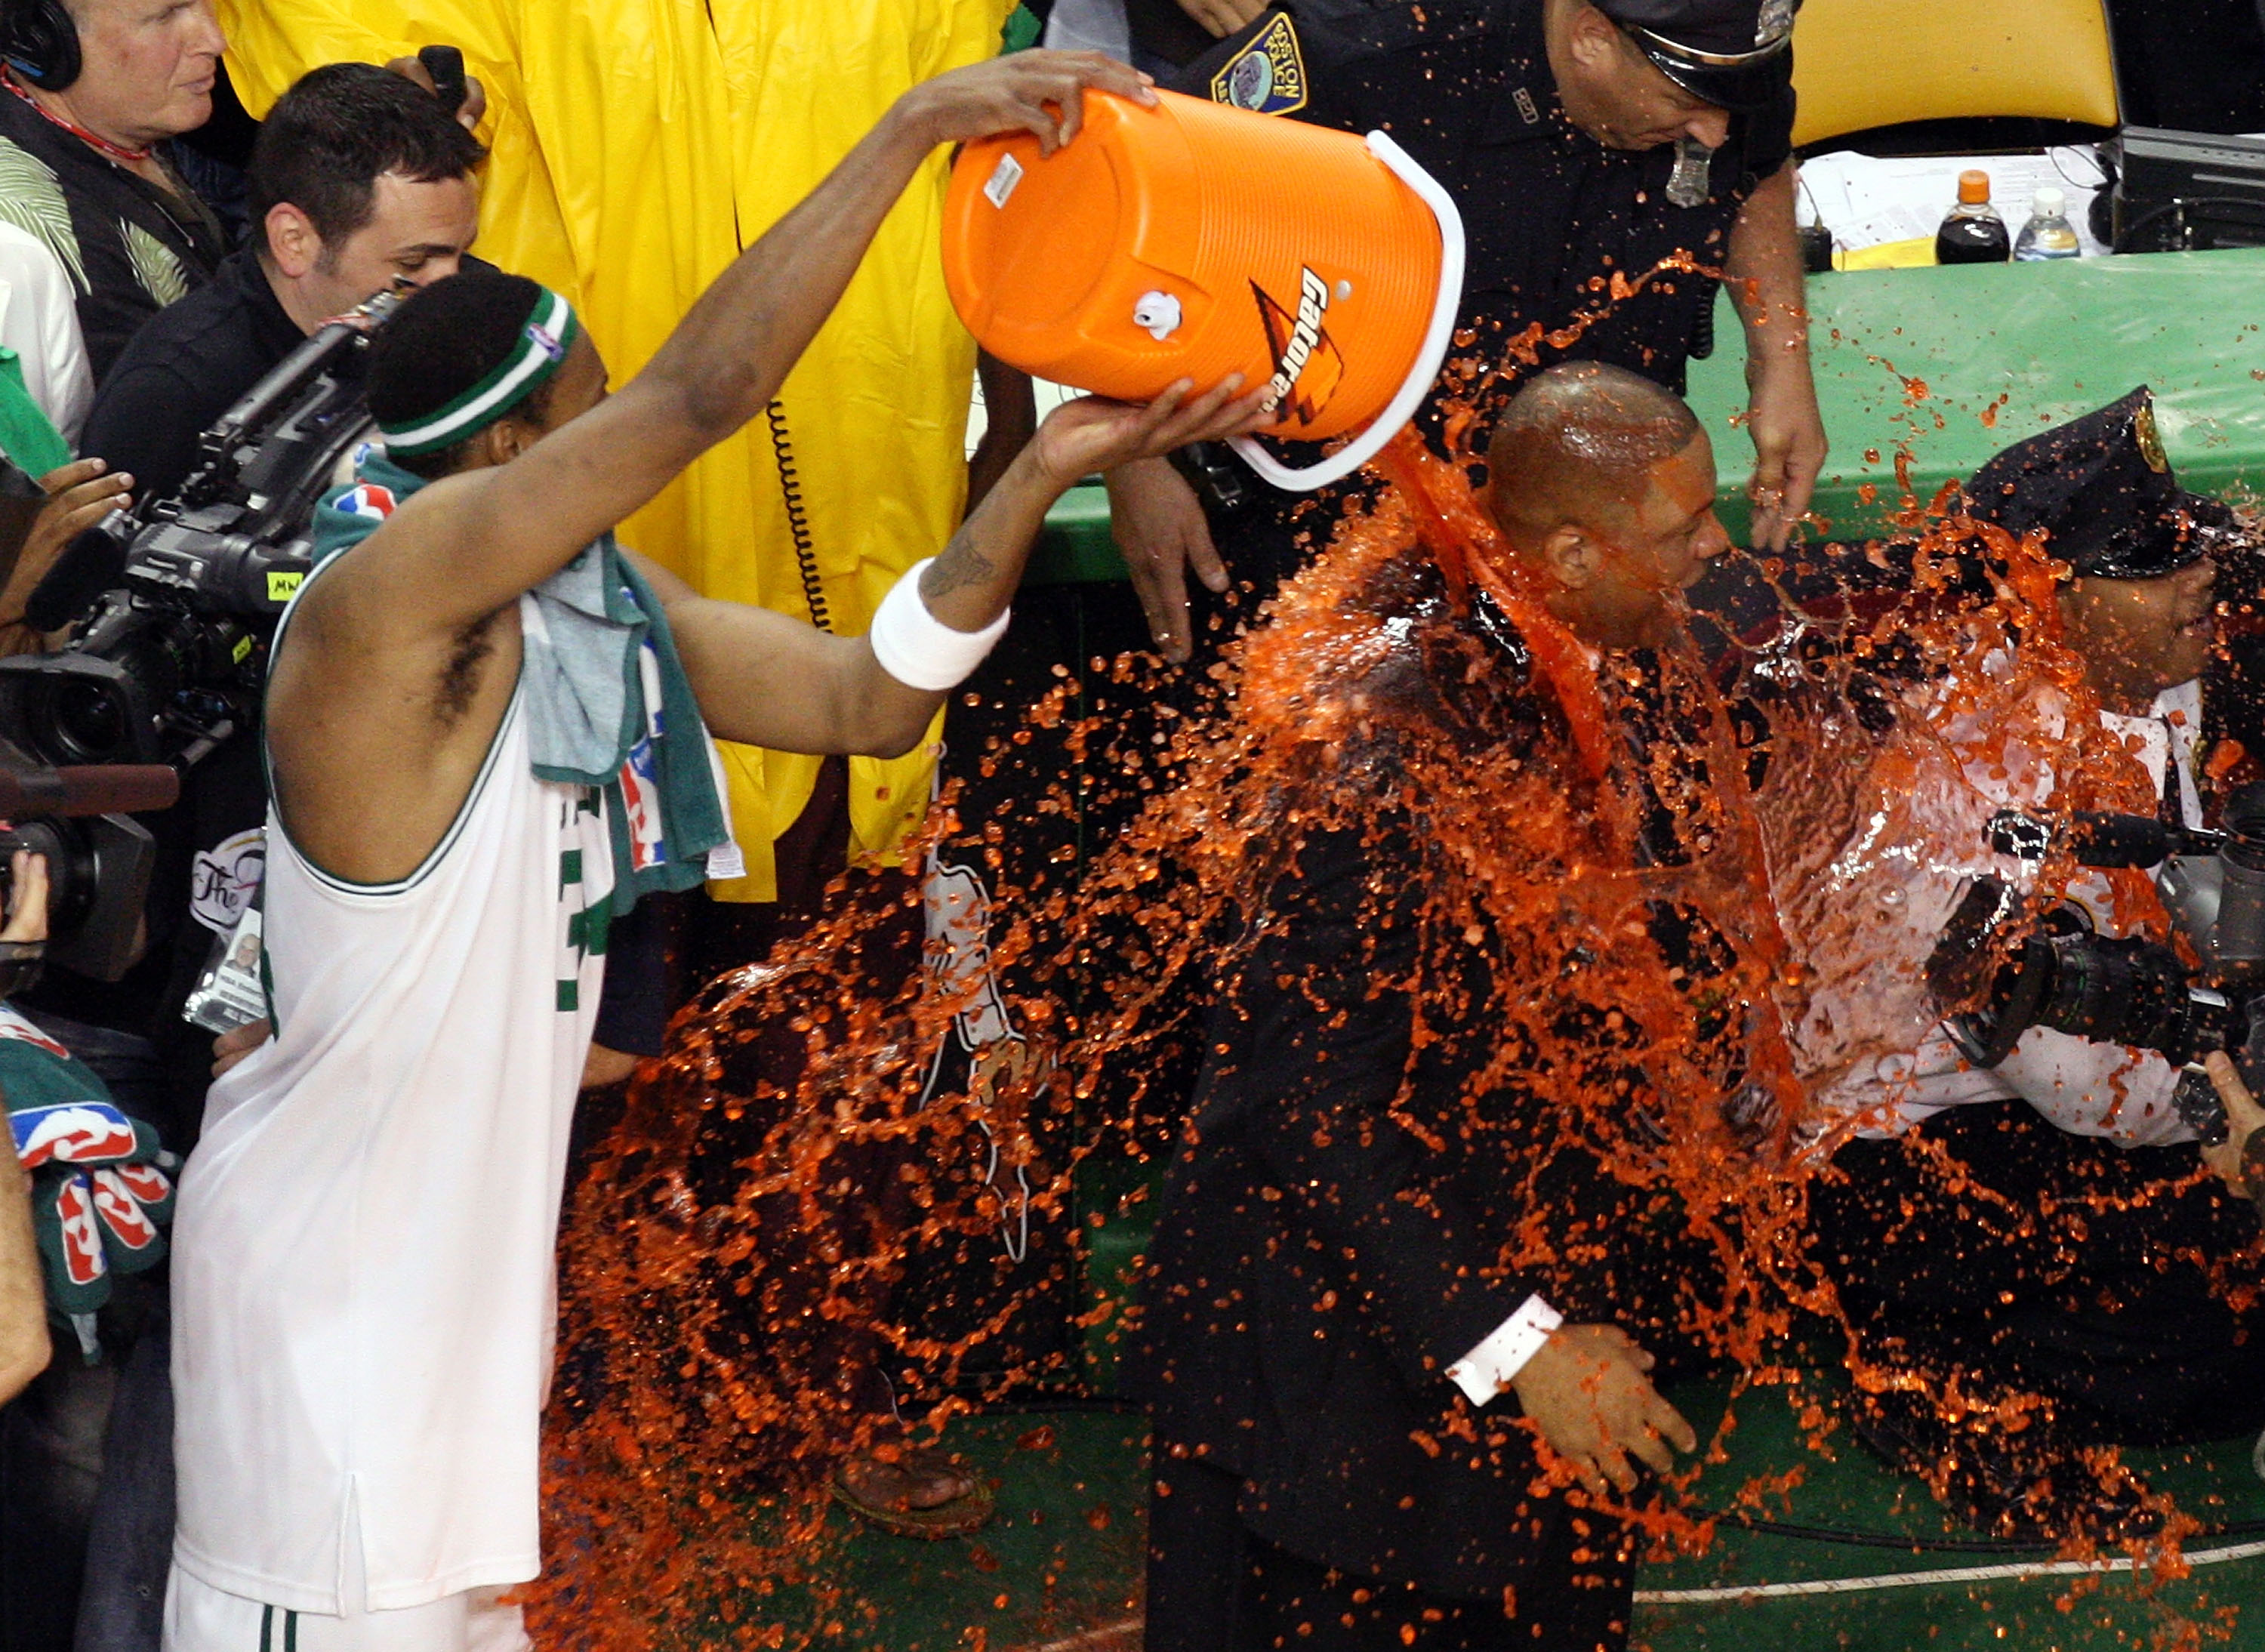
(1956, 363)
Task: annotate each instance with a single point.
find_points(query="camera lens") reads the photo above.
(88, 724)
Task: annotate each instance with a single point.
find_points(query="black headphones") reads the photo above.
(41, 42)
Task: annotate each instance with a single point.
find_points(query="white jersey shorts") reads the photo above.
(201, 1618)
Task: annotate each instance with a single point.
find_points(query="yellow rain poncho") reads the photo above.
(636, 146)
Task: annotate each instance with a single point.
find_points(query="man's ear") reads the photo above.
(1570, 557)
(292, 242)
(508, 438)
(1594, 39)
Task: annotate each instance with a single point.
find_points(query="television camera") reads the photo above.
(2007, 962)
(177, 600)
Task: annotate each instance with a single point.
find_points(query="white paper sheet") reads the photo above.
(1866, 200)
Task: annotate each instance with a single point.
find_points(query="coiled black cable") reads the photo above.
(797, 516)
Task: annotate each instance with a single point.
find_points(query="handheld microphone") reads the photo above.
(446, 65)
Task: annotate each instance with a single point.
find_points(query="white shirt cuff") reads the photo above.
(1486, 1371)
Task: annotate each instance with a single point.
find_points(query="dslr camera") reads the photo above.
(2006, 963)
(177, 599)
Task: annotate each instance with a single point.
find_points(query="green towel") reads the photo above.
(607, 700)
(27, 436)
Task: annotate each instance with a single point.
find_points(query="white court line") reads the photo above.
(1921, 1580)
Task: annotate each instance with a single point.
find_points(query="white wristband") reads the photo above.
(1486, 1371)
(921, 650)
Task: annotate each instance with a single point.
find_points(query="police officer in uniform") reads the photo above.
(1583, 140)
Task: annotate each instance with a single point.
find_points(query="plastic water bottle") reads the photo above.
(1973, 233)
(2048, 233)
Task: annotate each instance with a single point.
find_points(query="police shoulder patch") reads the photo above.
(1268, 75)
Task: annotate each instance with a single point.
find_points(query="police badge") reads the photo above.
(1268, 75)
(2150, 439)
(1775, 22)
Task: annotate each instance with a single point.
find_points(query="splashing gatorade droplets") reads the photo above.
(728, 1224)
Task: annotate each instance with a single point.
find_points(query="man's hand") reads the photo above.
(239, 1042)
(2243, 1118)
(1223, 17)
(1038, 92)
(1158, 524)
(1094, 433)
(27, 897)
(1586, 1391)
(1787, 428)
(468, 113)
(601, 1066)
(79, 495)
(1762, 273)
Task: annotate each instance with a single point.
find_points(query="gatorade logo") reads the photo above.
(1307, 366)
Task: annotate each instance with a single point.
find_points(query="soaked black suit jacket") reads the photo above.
(1324, 1251)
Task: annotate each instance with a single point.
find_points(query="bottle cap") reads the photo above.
(1973, 188)
(2049, 203)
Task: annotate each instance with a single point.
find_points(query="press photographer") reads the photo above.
(82, 1187)
(2020, 1218)
(82, 1170)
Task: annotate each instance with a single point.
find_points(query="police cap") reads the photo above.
(1735, 53)
(2103, 491)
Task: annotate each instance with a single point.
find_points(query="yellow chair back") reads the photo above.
(1865, 63)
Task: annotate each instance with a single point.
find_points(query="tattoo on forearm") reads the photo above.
(961, 565)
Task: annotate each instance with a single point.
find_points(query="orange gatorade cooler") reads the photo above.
(1192, 240)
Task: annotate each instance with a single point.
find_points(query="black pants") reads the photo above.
(1215, 1586)
(1989, 1243)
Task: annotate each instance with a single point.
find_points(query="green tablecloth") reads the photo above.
(2038, 343)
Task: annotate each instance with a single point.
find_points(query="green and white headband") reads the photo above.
(542, 345)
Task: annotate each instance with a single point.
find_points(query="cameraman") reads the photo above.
(359, 176)
(359, 179)
(2028, 1231)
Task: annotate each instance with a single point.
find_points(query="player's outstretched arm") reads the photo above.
(769, 680)
(463, 548)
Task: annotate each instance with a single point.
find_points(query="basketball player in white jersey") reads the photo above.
(364, 1248)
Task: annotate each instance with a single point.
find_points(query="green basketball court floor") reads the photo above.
(1059, 1568)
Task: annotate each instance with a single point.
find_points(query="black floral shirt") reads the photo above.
(129, 247)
